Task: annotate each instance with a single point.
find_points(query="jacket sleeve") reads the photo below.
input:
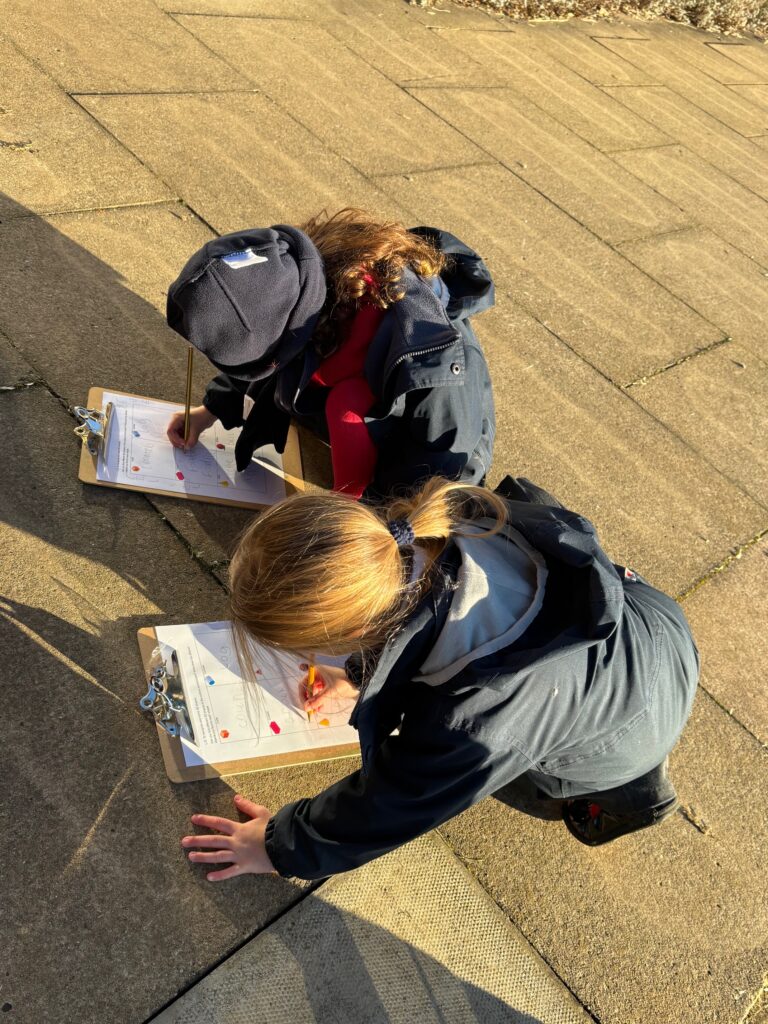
(418, 779)
(224, 398)
(446, 431)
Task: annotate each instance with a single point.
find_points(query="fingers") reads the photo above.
(216, 857)
(224, 825)
(250, 808)
(222, 876)
(207, 842)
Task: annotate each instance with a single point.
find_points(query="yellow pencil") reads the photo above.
(188, 395)
(310, 687)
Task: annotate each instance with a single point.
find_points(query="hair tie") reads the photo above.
(402, 531)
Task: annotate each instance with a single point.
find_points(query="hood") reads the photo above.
(467, 278)
(244, 296)
(498, 592)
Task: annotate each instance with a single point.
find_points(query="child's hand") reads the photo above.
(241, 845)
(200, 419)
(329, 682)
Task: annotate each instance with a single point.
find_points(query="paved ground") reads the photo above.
(615, 177)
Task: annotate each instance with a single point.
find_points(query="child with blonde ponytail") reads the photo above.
(489, 639)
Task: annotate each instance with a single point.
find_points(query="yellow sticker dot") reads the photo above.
(324, 721)
(224, 483)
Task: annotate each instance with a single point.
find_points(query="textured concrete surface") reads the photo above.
(671, 919)
(587, 184)
(53, 156)
(617, 318)
(239, 176)
(396, 926)
(670, 516)
(91, 824)
(728, 617)
(335, 94)
(628, 352)
(90, 47)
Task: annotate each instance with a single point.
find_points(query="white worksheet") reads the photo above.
(139, 454)
(234, 719)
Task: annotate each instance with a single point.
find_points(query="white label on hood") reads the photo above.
(245, 258)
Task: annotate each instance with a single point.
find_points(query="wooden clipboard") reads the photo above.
(291, 473)
(173, 751)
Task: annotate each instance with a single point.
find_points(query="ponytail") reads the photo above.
(319, 573)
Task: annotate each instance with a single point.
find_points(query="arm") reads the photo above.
(224, 399)
(419, 779)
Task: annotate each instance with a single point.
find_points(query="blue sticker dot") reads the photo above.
(136, 433)
(210, 680)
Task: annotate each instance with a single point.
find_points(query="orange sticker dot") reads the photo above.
(324, 721)
(135, 468)
(224, 733)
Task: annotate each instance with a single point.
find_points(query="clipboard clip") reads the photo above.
(165, 696)
(93, 430)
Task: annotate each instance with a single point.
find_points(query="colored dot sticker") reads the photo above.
(224, 733)
(220, 446)
(224, 483)
(210, 680)
(135, 468)
(180, 475)
(324, 721)
(275, 728)
(136, 433)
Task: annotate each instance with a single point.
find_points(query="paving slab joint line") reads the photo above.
(301, 896)
(22, 385)
(677, 362)
(760, 1002)
(164, 92)
(733, 556)
(497, 908)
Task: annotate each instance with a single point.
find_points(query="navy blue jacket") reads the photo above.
(593, 694)
(434, 411)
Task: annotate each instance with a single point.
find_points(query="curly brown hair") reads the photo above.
(364, 260)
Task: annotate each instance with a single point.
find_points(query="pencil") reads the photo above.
(188, 398)
(310, 687)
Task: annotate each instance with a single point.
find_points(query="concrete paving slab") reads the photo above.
(114, 47)
(346, 95)
(668, 924)
(86, 305)
(701, 134)
(560, 92)
(669, 515)
(53, 156)
(570, 172)
(716, 403)
(570, 45)
(726, 286)
(386, 943)
(711, 198)
(220, 153)
(243, 8)
(697, 48)
(447, 15)
(672, 70)
(750, 56)
(613, 315)
(92, 825)
(399, 46)
(15, 371)
(755, 94)
(727, 614)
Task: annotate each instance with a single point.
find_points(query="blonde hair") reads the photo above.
(319, 573)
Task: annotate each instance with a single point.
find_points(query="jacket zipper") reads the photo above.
(420, 352)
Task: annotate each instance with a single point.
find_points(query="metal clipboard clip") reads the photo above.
(165, 696)
(93, 430)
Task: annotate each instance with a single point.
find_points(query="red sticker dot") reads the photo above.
(274, 727)
(135, 468)
(219, 445)
(180, 475)
(224, 733)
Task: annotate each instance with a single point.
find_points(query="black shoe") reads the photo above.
(593, 826)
